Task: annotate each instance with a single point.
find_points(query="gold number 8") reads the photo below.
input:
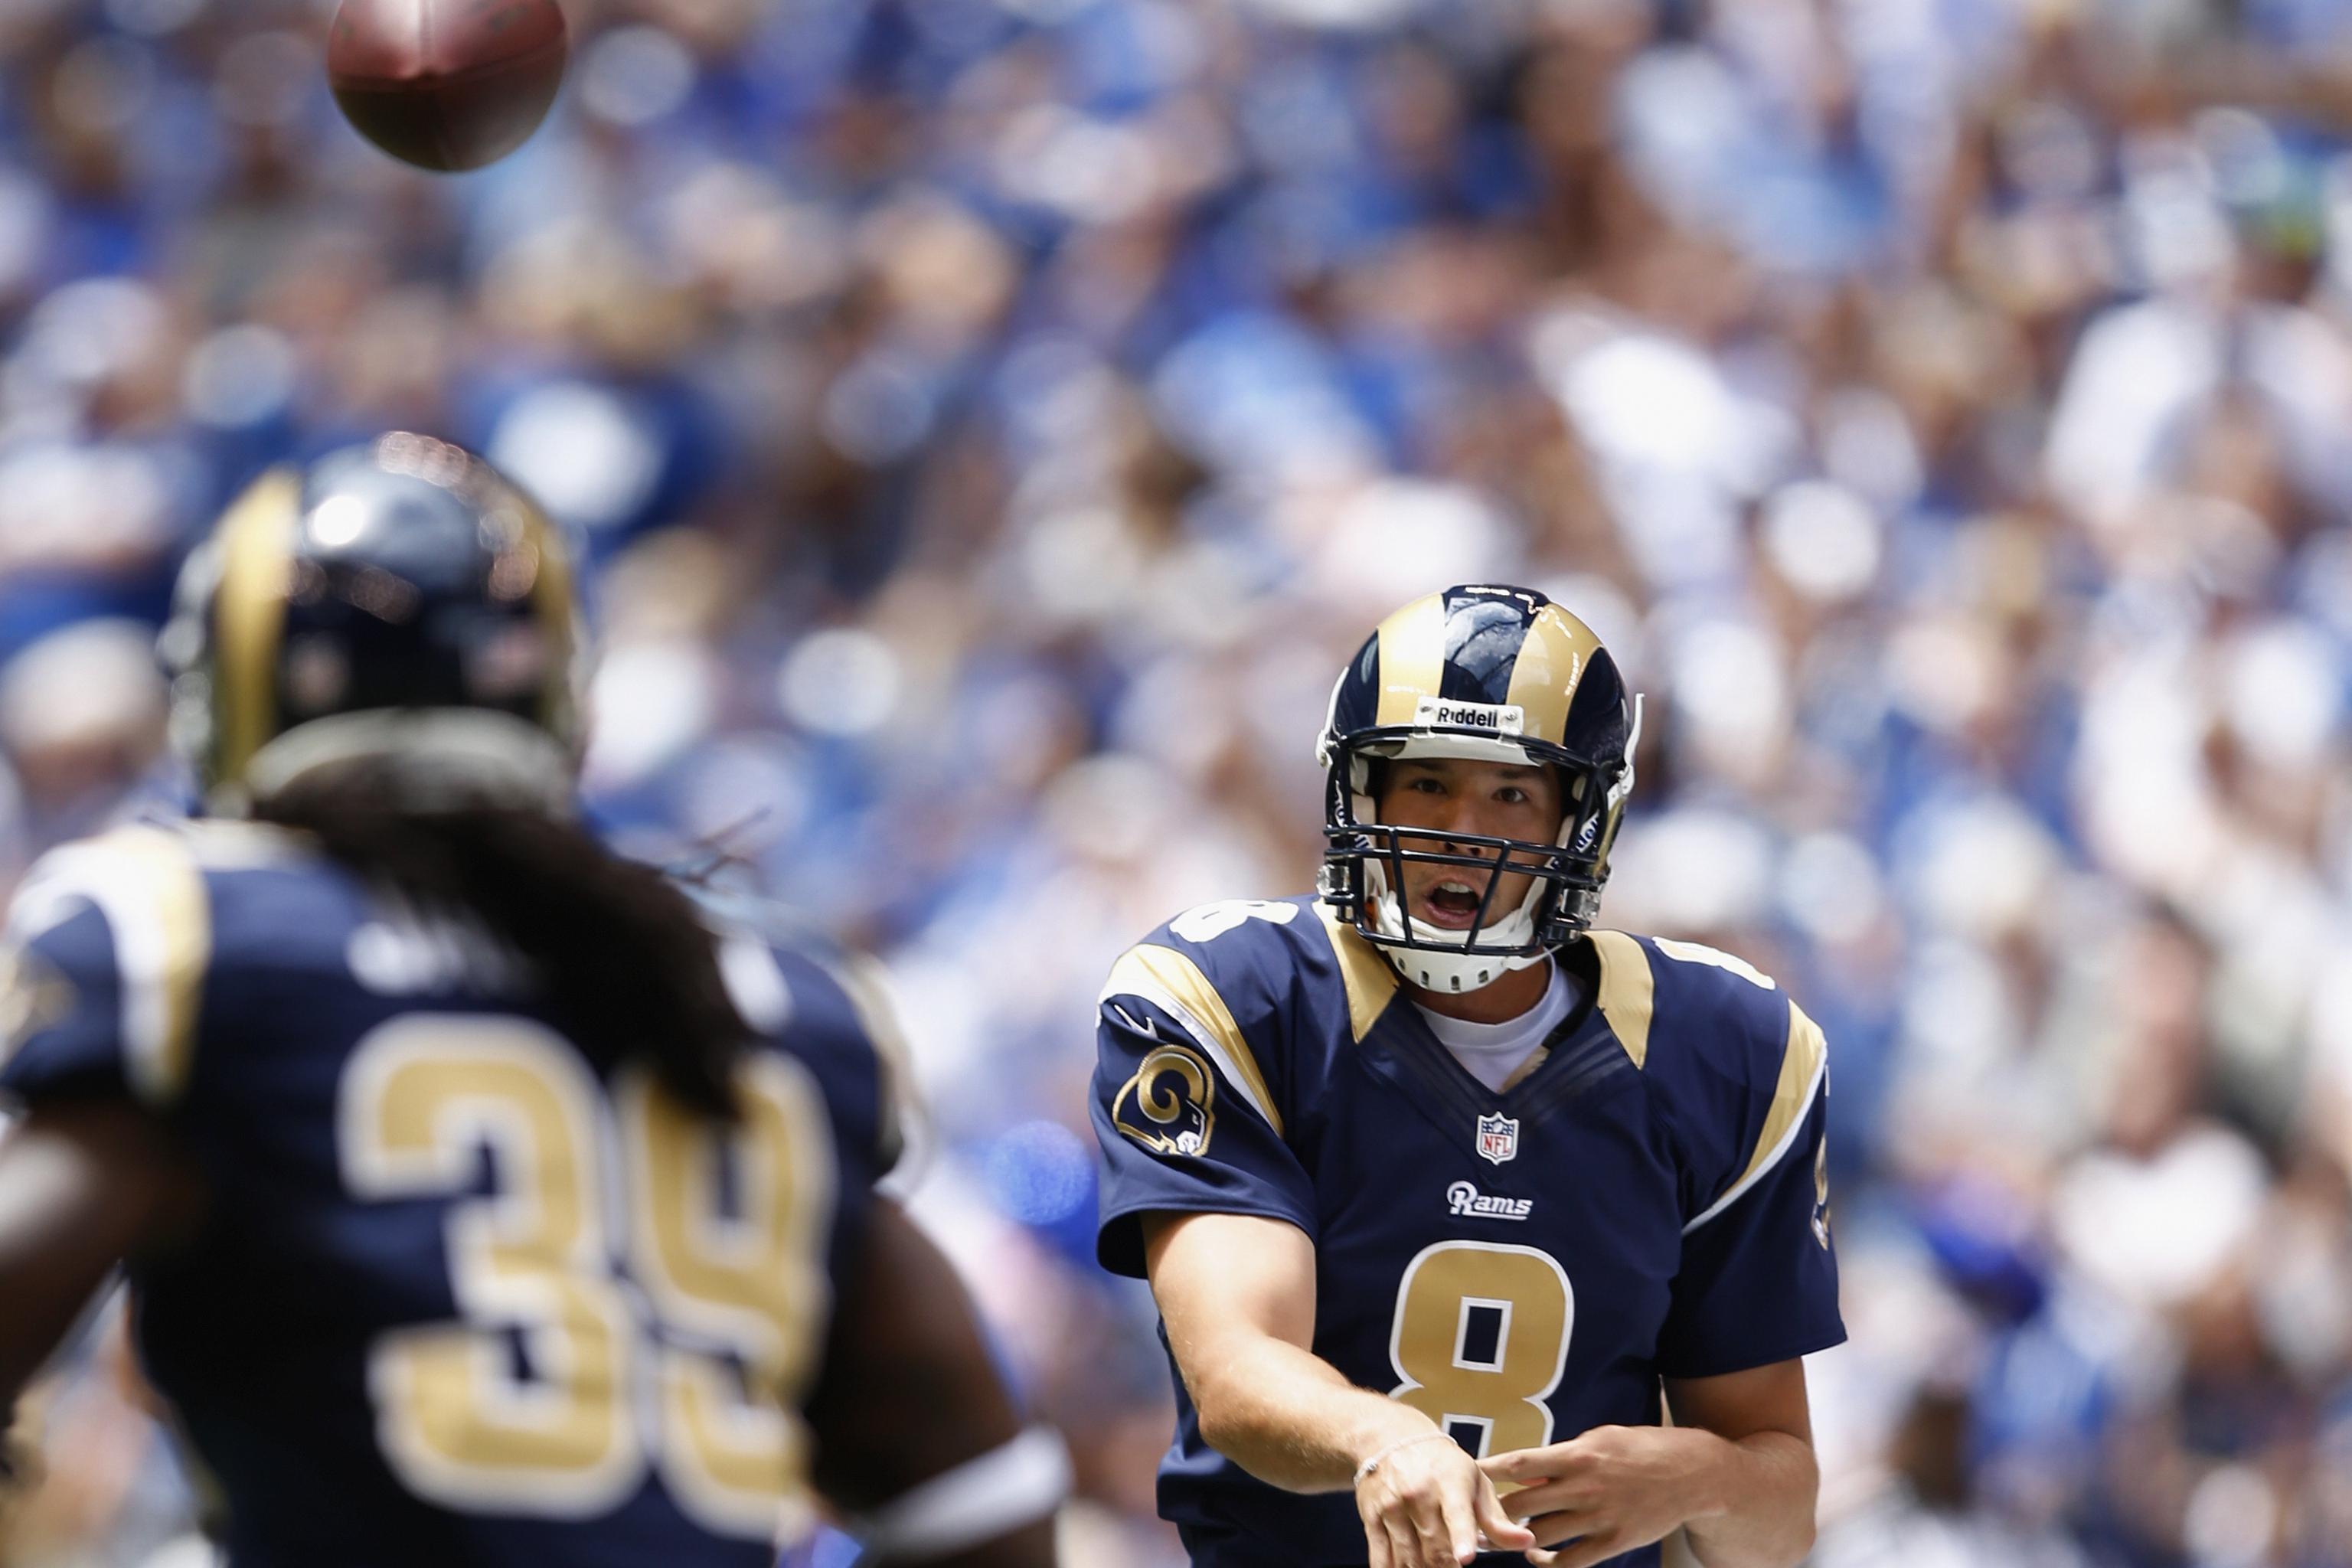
(1445, 1377)
(420, 1097)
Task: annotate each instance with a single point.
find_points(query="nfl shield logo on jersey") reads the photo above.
(1498, 1138)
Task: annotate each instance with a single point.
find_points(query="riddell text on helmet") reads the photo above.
(1495, 718)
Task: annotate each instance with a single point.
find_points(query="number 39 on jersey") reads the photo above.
(737, 1300)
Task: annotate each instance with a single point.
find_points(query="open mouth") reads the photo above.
(1453, 904)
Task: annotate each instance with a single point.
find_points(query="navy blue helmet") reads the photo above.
(398, 599)
(1488, 673)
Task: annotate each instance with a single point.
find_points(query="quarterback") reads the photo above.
(1446, 1197)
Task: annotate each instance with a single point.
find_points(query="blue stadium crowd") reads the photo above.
(993, 420)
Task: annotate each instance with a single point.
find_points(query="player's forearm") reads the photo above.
(1023, 1548)
(917, 1434)
(78, 1189)
(1760, 1494)
(1289, 1418)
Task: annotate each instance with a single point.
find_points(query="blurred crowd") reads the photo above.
(993, 420)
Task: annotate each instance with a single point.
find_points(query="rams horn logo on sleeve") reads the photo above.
(1174, 1091)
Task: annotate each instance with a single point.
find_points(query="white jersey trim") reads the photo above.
(1780, 1151)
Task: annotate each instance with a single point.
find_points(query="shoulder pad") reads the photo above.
(148, 885)
(1712, 1010)
(828, 1011)
(1737, 1062)
(1221, 972)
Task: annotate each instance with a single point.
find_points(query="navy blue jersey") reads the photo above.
(457, 1298)
(1647, 1199)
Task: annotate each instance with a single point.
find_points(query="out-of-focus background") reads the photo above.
(995, 419)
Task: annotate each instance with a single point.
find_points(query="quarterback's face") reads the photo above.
(1487, 800)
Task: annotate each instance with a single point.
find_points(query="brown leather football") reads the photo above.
(446, 84)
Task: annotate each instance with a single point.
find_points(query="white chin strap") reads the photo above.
(1440, 969)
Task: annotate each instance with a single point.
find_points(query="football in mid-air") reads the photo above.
(446, 84)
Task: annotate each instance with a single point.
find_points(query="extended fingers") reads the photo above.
(1375, 1536)
(1460, 1518)
(1591, 1550)
(1587, 1551)
(1406, 1528)
(1550, 1498)
(1433, 1530)
(1522, 1466)
(1565, 1524)
(1502, 1531)
(1404, 1545)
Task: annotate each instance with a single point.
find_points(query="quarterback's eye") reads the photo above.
(1425, 783)
(1511, 795)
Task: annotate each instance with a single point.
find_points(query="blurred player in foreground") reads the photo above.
(484, 1204)
(1434, 1183)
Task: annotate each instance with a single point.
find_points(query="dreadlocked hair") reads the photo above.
(622, 962)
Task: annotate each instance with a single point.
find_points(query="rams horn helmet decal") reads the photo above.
(400, 599)
(1497, 674)
(1169, 1106)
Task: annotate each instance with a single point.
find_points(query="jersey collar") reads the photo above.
(1626, 994)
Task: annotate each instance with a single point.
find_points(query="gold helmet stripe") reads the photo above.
(1552, 660)
(551, 598)
(249, 617)
(1412, 659)
(1627, 990)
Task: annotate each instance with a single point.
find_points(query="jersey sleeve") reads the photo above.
(1758, 1276)
(102, 966)
(842, 1033)
(1183, 1111)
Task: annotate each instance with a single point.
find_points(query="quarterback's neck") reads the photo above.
(1496, 1002)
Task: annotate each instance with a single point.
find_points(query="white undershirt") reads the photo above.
(1491, 1052)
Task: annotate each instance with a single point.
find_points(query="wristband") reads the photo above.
(1371, 1466)
(974, 1503)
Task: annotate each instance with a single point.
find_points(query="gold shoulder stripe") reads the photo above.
(1627, 990)
(864, 982)
(33, 995)
(1550, 663)
(147, 884)
(1805, 1059)
(1801, 1060)
(1173, 981)
(1371, 983)
(165, 987)
(1412, 658)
